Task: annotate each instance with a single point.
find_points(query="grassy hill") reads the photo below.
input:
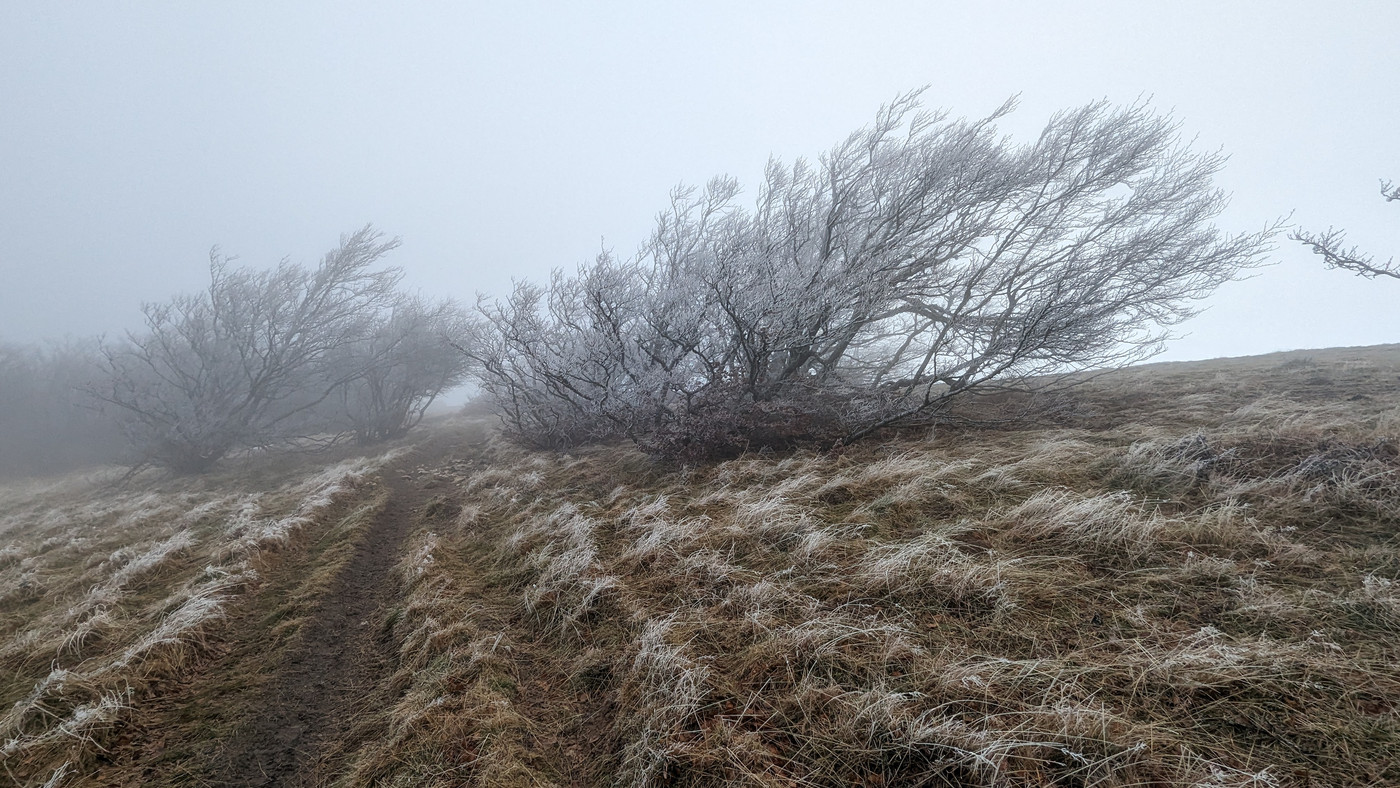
(1189, 578)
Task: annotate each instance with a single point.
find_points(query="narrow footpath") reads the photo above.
(298, 676)
(335, 665)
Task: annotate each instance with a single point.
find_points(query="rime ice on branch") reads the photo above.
(921, 259)
(1330, 245)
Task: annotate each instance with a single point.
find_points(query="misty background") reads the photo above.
(503, 141)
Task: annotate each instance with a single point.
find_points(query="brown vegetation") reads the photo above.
(1192, 581)
(1191, 578)
(113, 592)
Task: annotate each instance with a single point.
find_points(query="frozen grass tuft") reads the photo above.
(1108, 524)
(567, 585)
(667, 688)
(933, 569)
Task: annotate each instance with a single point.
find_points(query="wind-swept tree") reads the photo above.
(242, 363)
(399, 368)
(921, 259)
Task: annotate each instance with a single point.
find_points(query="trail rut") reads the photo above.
(324, 683)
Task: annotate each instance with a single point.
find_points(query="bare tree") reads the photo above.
(1331, 245)
(920, 259)
(556, 359)
(399, 369)
(241, 363)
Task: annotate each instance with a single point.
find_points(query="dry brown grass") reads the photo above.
(1192, 580)
(111, 588)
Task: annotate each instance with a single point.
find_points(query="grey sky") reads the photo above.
(506, 139)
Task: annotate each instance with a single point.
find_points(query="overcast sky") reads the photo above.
(507, 139)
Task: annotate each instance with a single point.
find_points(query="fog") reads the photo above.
(504, 141)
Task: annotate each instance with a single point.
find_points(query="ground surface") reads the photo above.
(327, 676)
(1190, 577)
(294, 693)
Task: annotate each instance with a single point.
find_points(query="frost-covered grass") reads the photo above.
(108, 587)
(1193, 579)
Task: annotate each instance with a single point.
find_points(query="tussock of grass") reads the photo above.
(566, 584)
(667, 687)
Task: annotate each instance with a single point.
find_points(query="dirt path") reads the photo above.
(297, 680)
(336, 663)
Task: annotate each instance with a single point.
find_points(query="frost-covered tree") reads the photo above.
(921, 259)
(1331, 245)
(244, 362)
(398, 369)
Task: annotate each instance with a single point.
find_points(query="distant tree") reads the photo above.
(397, 370)
(920, 260)
(244, 362)
(46, 423)
(1331, 246)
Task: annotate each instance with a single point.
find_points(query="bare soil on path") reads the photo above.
(297, 680)
(329, 674)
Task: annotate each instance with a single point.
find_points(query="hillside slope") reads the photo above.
(1190, 578)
